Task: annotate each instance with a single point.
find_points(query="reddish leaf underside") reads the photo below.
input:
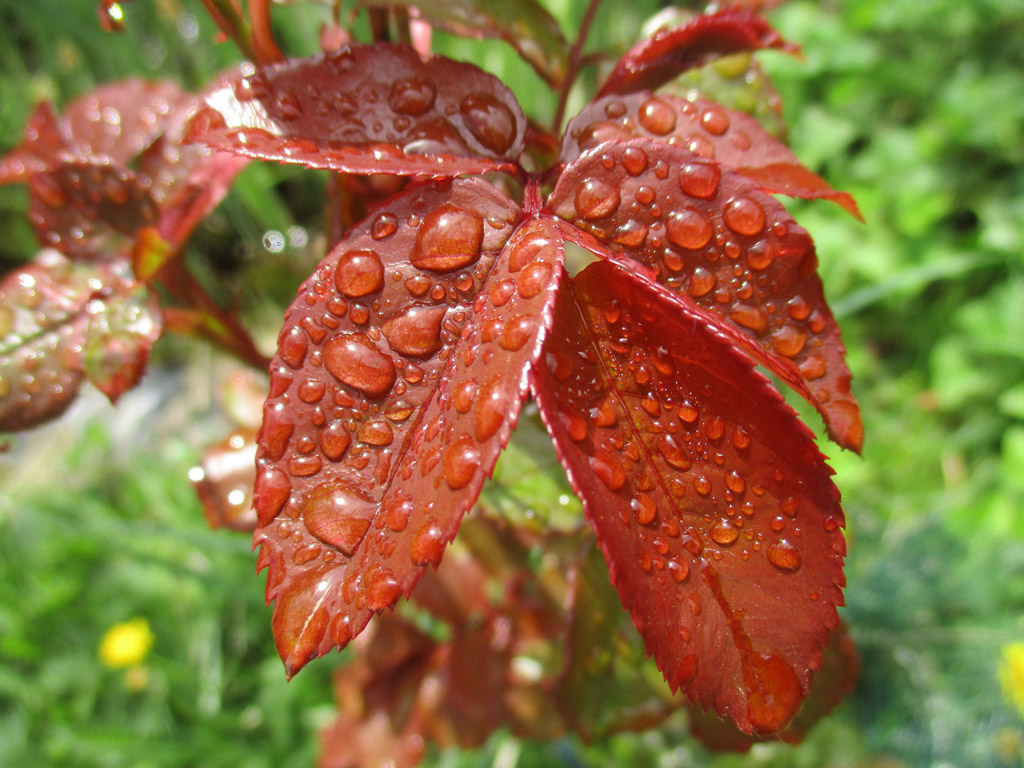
(524, 24)
(368, 109)
(668, 53)
(399, 374)
(717, 240)
(710, 500)
(734, 139)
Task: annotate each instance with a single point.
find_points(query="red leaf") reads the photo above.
(734, 139)
(89, 209)
(368, 109)
(399, 374)
(716, 239)
(707, 493)
(44, 323)
(670, 52)
(44, 137)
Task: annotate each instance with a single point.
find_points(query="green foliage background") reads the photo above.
(916, 108)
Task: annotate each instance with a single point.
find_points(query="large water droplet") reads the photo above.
(744, 216)
(596, 199)
(657, 117)
(376, 432)
(533, 279)
(427, 544)
(724, 533)
(700, 179)
(382, 590)
(608, 469)
(634, 160)
(784, 556)
(702, 282)
(416, 332)
(278, 426)
(490, 121)
(461, 462)
(338, 514)
(492, 408)
(334, 440)
(271, 491)
(355, 360)
(385, 225)
(412, 96)
(292, 347)
(714, 121)
(689, 228)
(449, 239)
(789, 340)
(359, 273)
(516, 333)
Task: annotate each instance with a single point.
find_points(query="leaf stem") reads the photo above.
(232, 24)
(263, 33)
(575, 58)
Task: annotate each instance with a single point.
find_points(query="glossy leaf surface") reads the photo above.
(706, 492)
(716, 239)
(734, 139)
(399, 374)
(670, 52)
(368, 109)
(524, 24)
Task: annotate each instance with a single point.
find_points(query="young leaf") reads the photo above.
(711, 503)
(399, 374)
(524, 24)
(734, 139)
(44, 137)
(44, 323)
(713, 237)
(670, 52)
(368, 109)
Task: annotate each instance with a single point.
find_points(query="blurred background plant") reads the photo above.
(915, 110)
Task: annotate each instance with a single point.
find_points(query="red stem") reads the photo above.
(573, 70)
(263, 33)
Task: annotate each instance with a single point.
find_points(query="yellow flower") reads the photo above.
(1011, 675)
(126, 644)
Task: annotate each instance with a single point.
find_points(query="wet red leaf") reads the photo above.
(670, 52)
(399, 374)
(223, 482)
(713, 237)
(368, 109)
(734, 139)
(706, 491)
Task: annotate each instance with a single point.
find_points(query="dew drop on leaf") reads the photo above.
(359, 273)
(334, 440)
(784, 556)
(744, 216)
(460, 463)
(449, 239)
(412, 96)
(427, 544)
(596, 199)
(700, 179)
(689, 228)
(355, 360)
(338, 514)
(490, 121)
(657, 117)
(415, 332)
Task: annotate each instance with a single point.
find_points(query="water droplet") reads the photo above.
(702, 485)
(412, 96)
(714, 121)
(397, 512)
(491, 408)
(601, 131)
(632, 234)
(270, 492)
(292, 347)
(702, 282)
(657, 117)
(615, 109)
(427, 544)
(304, 466)
(415, 332)
(744, 216)
(634, 160)
(761, 255)
(464, 395)
(724, 533)
(679, 570)
(449, 239)
(400, 410)
(700, 179)
(385, 225)
(376, 432)
(534, 279)
(689, 228)
(784, 556)
(382, 590)
(645, 195)
(516, 333)
(813, 367)
(490, 121)
(750, 317)
(502, 292)
(777, 523)
(735, 483)
(595, 199)
(338, 514)
(359, 273)
(608, 469)
(355, 360)
(740, 438)
(644, 508)
(789, 340)
(688, 412)
(334, 440)
(461, 462)
(276, 432)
